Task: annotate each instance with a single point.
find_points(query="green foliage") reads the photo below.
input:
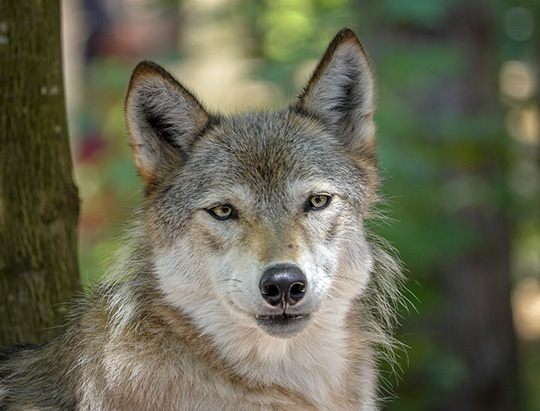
(419, 13)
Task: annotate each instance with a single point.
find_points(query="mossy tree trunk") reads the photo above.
(38, 200)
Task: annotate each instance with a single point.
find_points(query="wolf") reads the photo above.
(250, 281)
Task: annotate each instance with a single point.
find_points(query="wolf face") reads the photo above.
(249, 284)
(257, 219)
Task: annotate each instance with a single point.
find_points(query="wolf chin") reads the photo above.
(250, 281)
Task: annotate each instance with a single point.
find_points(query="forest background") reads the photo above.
(458, 143)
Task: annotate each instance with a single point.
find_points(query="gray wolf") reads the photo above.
(250, 281)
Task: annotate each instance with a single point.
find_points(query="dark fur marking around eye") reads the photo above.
(310, 206)
(332, 233)
(217, 212)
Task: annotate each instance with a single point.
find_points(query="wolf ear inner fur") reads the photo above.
(163, 120)
(341, 92)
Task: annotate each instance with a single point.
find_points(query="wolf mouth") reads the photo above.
(281, 318)
(283, 325)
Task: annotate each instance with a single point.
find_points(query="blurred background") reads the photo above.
(458, 141)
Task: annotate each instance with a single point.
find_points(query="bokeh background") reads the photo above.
(458, 141)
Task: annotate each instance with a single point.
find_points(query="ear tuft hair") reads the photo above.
(163, 120)
(341, 92)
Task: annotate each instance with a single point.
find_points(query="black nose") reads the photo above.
(283, 284)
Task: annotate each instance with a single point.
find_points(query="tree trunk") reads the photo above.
(479, 326)
(38, 200)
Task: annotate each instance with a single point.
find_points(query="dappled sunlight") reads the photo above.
(526, 302)
(518, 87)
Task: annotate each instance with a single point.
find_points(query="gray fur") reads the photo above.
(176, 326)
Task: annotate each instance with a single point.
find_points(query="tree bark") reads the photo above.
(39, 202)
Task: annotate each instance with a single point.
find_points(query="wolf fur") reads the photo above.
(188, 324)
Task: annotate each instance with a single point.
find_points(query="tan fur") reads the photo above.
(185, 323)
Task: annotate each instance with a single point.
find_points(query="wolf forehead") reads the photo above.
(267, 152)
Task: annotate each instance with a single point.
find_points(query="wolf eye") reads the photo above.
(318, 202)
(222, 212)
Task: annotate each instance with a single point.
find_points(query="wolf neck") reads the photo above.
(313, 363)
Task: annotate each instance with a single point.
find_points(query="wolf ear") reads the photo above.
(163, 120)
(341, 92)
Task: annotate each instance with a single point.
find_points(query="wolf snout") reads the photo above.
(283, 284)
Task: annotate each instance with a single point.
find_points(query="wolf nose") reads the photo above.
(283, 284)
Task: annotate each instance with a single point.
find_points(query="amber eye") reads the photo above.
(318, 202)
(222, 212)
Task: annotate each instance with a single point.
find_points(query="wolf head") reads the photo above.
(256, 220)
